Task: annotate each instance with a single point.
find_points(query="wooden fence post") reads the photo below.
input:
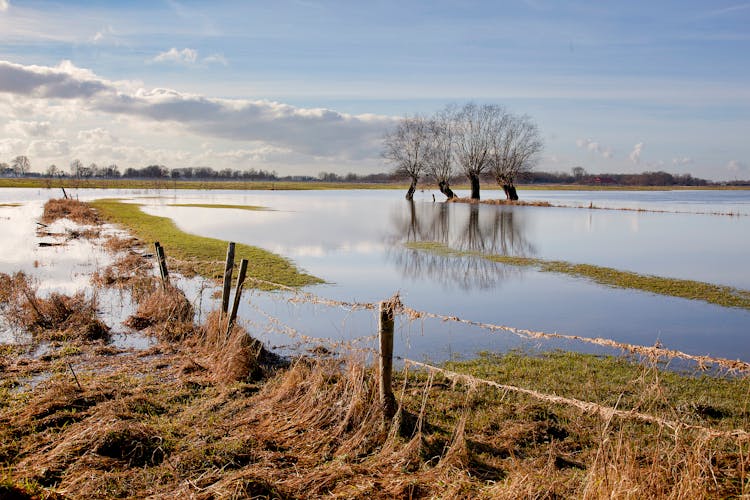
(385, 331)
(227, 278)
(237, 295)
(162, 259)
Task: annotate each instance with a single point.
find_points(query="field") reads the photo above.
(209, 412)
(307, 186)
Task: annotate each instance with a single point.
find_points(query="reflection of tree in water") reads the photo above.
(486, 230)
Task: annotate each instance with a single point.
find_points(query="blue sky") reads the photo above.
(305, 86)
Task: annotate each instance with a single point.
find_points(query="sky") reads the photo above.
(305, 86)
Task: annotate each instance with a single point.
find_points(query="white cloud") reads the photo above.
(48, 149)
(64, 81)
(216, 59)
(4, 5)
(310, 132)
(635, 155)
(184, 56)
(28, 129)
(595, 147)
(685, 160)
(736, 166)
(97, 135)
(104, 35)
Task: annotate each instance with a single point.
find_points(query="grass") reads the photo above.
(10, 204)
(157, 423)
(699, 398)
(209, 205)
(197, 254)
(209, 415)
(721, 295)
(306, 186)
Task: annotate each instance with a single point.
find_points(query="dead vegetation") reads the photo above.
(164, 313)
(68, 208)
(57, 317)
(154, 426)
(116, 244)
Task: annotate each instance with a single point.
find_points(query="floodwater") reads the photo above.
(355, 241)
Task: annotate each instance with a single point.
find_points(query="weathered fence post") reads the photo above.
(227, 278)
(162, 259)
(385, 331)
(237, 295)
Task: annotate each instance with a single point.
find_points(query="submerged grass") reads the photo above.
(721, 295)
(209, 205)
(193, 254)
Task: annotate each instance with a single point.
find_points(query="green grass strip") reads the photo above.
(615, 381)
(10, 204)
(722, 295)
(208, 205)
(198, 254)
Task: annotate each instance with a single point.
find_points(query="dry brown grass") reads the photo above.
(132, 273)
(166, 313)
(233, 357)
(117, 244)
(312, 430)
(517, 203)
(67, 208)
(57, 317)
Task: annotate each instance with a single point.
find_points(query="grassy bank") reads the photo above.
(209, 205)
(725, 296)
(197, 254)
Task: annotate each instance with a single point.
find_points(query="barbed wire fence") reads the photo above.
(387, 310)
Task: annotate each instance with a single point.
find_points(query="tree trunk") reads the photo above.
(474, 179)
(412, 189)
(446, 190)
(510, 192)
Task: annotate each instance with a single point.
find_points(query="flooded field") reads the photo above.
(356, 242)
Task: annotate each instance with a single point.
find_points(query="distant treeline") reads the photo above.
(643, 179)
(577, 176)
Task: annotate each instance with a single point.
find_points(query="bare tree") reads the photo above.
(52, 170)
(76, 167)
(475, 127)
(516, 145)
(578, 172)
(93, 170)
(21, 165)
(440, 137)
(406, 148)
(112, 171)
